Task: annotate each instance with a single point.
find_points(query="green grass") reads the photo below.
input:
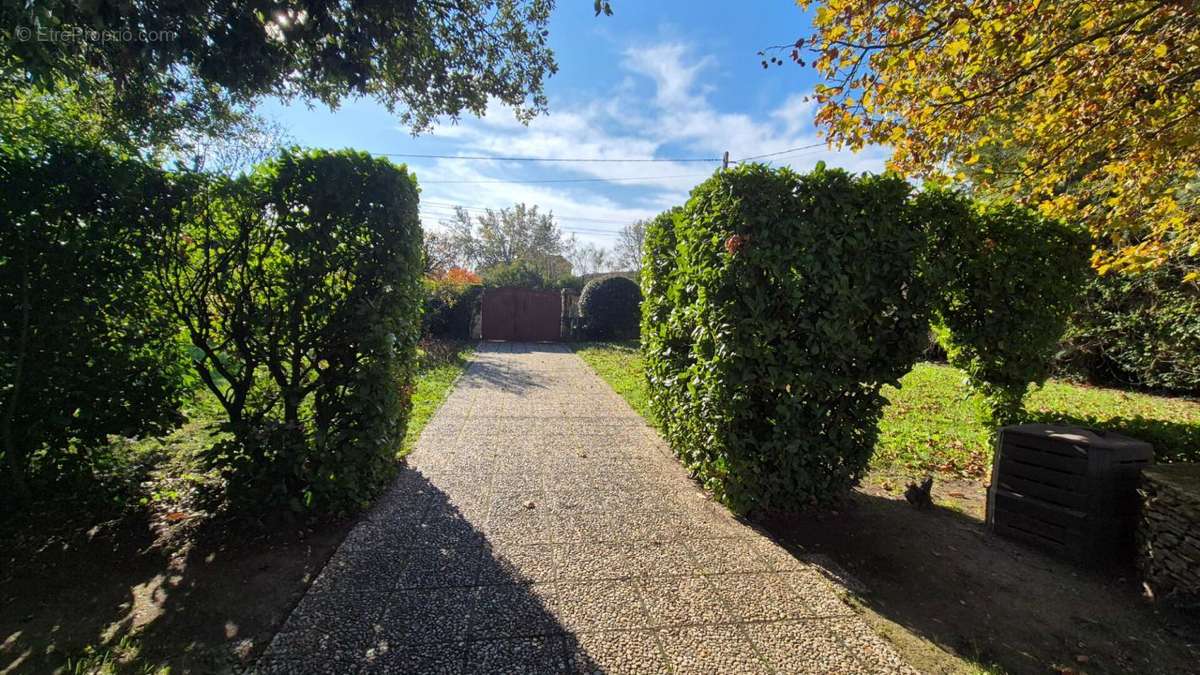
(620, 365)
(434, 381)
(930, 423)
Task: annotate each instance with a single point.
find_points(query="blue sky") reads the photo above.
(656, 79)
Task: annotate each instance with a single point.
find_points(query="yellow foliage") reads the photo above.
(1088, 110)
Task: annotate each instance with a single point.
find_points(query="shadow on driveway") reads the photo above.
(418, 587)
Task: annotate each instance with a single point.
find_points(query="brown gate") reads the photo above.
(521, 315)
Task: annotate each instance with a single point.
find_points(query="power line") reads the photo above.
(548, 159)
(447, 205)
(565, 180)
(502, 158)
(781, 152)
(442, 209)
(574, 230)
(565, 227)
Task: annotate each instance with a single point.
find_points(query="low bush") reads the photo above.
(1140, 330)
(1007, 279)
(300, 286)
(795, 298)
(448, 308)
(610, 308)
(86, 348)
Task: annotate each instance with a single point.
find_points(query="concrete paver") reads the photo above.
(541, 526)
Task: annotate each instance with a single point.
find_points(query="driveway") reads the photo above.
(542, 526)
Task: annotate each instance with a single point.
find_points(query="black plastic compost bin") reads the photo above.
(1069, 491)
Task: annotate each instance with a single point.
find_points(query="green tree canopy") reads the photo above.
(507, 236)
(420, 58)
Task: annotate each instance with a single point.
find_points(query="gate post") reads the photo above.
(475, 329)
(570, 314)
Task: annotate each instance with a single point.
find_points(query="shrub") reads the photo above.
(1140, 330)
(1007, 280)
(300, 285)
(571, 282)
(460, 276)
(526, 274)
(796, 298)
(86, 349)
(519, 274)
(609, 308)
(449, 307)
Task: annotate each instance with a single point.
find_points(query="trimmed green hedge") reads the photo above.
(87, 349)
(448, 309)
(609, 308)
(1007, 279)
(300, 286)
(777, 306)
(666, 346)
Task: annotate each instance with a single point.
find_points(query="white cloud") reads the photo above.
(795, 114)
(675, 80)
(680, 119)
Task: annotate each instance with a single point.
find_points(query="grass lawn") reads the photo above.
(929, 424)
(620, 365)
(436, 376)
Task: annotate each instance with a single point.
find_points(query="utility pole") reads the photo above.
(725, 161)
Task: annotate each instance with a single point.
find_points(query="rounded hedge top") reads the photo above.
(779, 306)
(610, 308)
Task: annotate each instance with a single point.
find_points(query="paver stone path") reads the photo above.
(542, 526)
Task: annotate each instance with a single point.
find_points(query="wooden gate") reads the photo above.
(521, 315)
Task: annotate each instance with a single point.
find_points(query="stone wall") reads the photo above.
(1169, 533)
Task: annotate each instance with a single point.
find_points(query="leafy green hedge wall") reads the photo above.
(777, 306)
(1006, 280)
(300, 285)
(666, 345)
(86, 347)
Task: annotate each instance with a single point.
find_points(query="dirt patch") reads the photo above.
(199, 598)
(938, 577)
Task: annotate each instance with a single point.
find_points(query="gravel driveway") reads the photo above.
(542, 526)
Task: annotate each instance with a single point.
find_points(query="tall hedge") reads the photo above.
(795, 299)
(86, 348)
(1007, 280)
(301, 287)
(449, 308)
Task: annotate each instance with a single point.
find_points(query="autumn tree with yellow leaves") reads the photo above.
(1088, 110)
